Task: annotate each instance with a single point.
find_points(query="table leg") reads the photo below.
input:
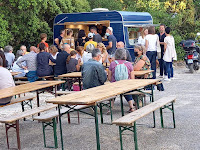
(79, 81)
(122, 107)
(38, 100)
(61, 135)
(152, 95)
(97, 128)
(55, 90)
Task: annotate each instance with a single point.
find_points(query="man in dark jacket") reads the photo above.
(60, 67)
(93, 72)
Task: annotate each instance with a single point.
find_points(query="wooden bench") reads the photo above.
(128, 122)
(49, 120)
(26, 79)
(21, 82)
(63, 92)
(24, 100)
(13, 120)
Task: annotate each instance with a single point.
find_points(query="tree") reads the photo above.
(26, 19)
(110, 4)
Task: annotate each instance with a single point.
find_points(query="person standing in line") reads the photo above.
(30, 60)
(142, 38)
(68, 39)
(112, 42)
(97, 37)
(59, 39)
(161, 36)
(10, 57)
(43, 37)
(169, 54)
(151, 48)
(91, 41)
(82, 39)
(120, 44)
(6, 81)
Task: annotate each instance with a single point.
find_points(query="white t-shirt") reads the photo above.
(55, 56)
(86, 57)
(170, 53)
(141, 40)
(78, 56)
(152, 42)
(6, 79)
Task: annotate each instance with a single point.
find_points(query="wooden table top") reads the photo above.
(78, 74)
(15, 90)
(15, 73)
(93, 95)
(143, 72)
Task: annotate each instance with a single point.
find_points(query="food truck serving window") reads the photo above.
(133, 34)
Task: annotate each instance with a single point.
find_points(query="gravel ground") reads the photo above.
(82, 136)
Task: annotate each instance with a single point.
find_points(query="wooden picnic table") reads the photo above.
(79, 75)
(33, 86)
(93, 95)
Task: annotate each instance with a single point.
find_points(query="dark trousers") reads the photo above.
(152, 58)
(169, 71)
(161, 62)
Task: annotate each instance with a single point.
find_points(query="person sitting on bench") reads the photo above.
(6, 81)
(93, 72)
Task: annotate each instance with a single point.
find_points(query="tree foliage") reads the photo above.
(22, 21)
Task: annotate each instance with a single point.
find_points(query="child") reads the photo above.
(73, 64)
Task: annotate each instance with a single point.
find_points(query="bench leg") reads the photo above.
(60, 122)
(161, 118)
(152, 99)
(78, 117)
(97, 128)
(173, 115)
(171, 109)
(51, 124)
(135, 136)
(120, 136)
(122, 108)
(54, 133)
(68, 116)
(131, 128)
(111, 117)
(16, 126)
(101, 112)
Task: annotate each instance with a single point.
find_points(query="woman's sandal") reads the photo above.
(131, 110)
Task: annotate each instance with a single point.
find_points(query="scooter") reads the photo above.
(192, 57)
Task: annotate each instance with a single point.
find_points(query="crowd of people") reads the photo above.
(87, 55)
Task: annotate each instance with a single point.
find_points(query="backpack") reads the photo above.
(121, 71)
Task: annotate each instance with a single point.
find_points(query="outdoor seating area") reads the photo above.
(90, 102)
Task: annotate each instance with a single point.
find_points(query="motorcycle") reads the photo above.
(192, 50)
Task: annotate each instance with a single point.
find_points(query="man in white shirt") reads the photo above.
(6, 81)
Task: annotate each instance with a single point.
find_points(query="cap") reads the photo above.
(111, 29)
(90, 35)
